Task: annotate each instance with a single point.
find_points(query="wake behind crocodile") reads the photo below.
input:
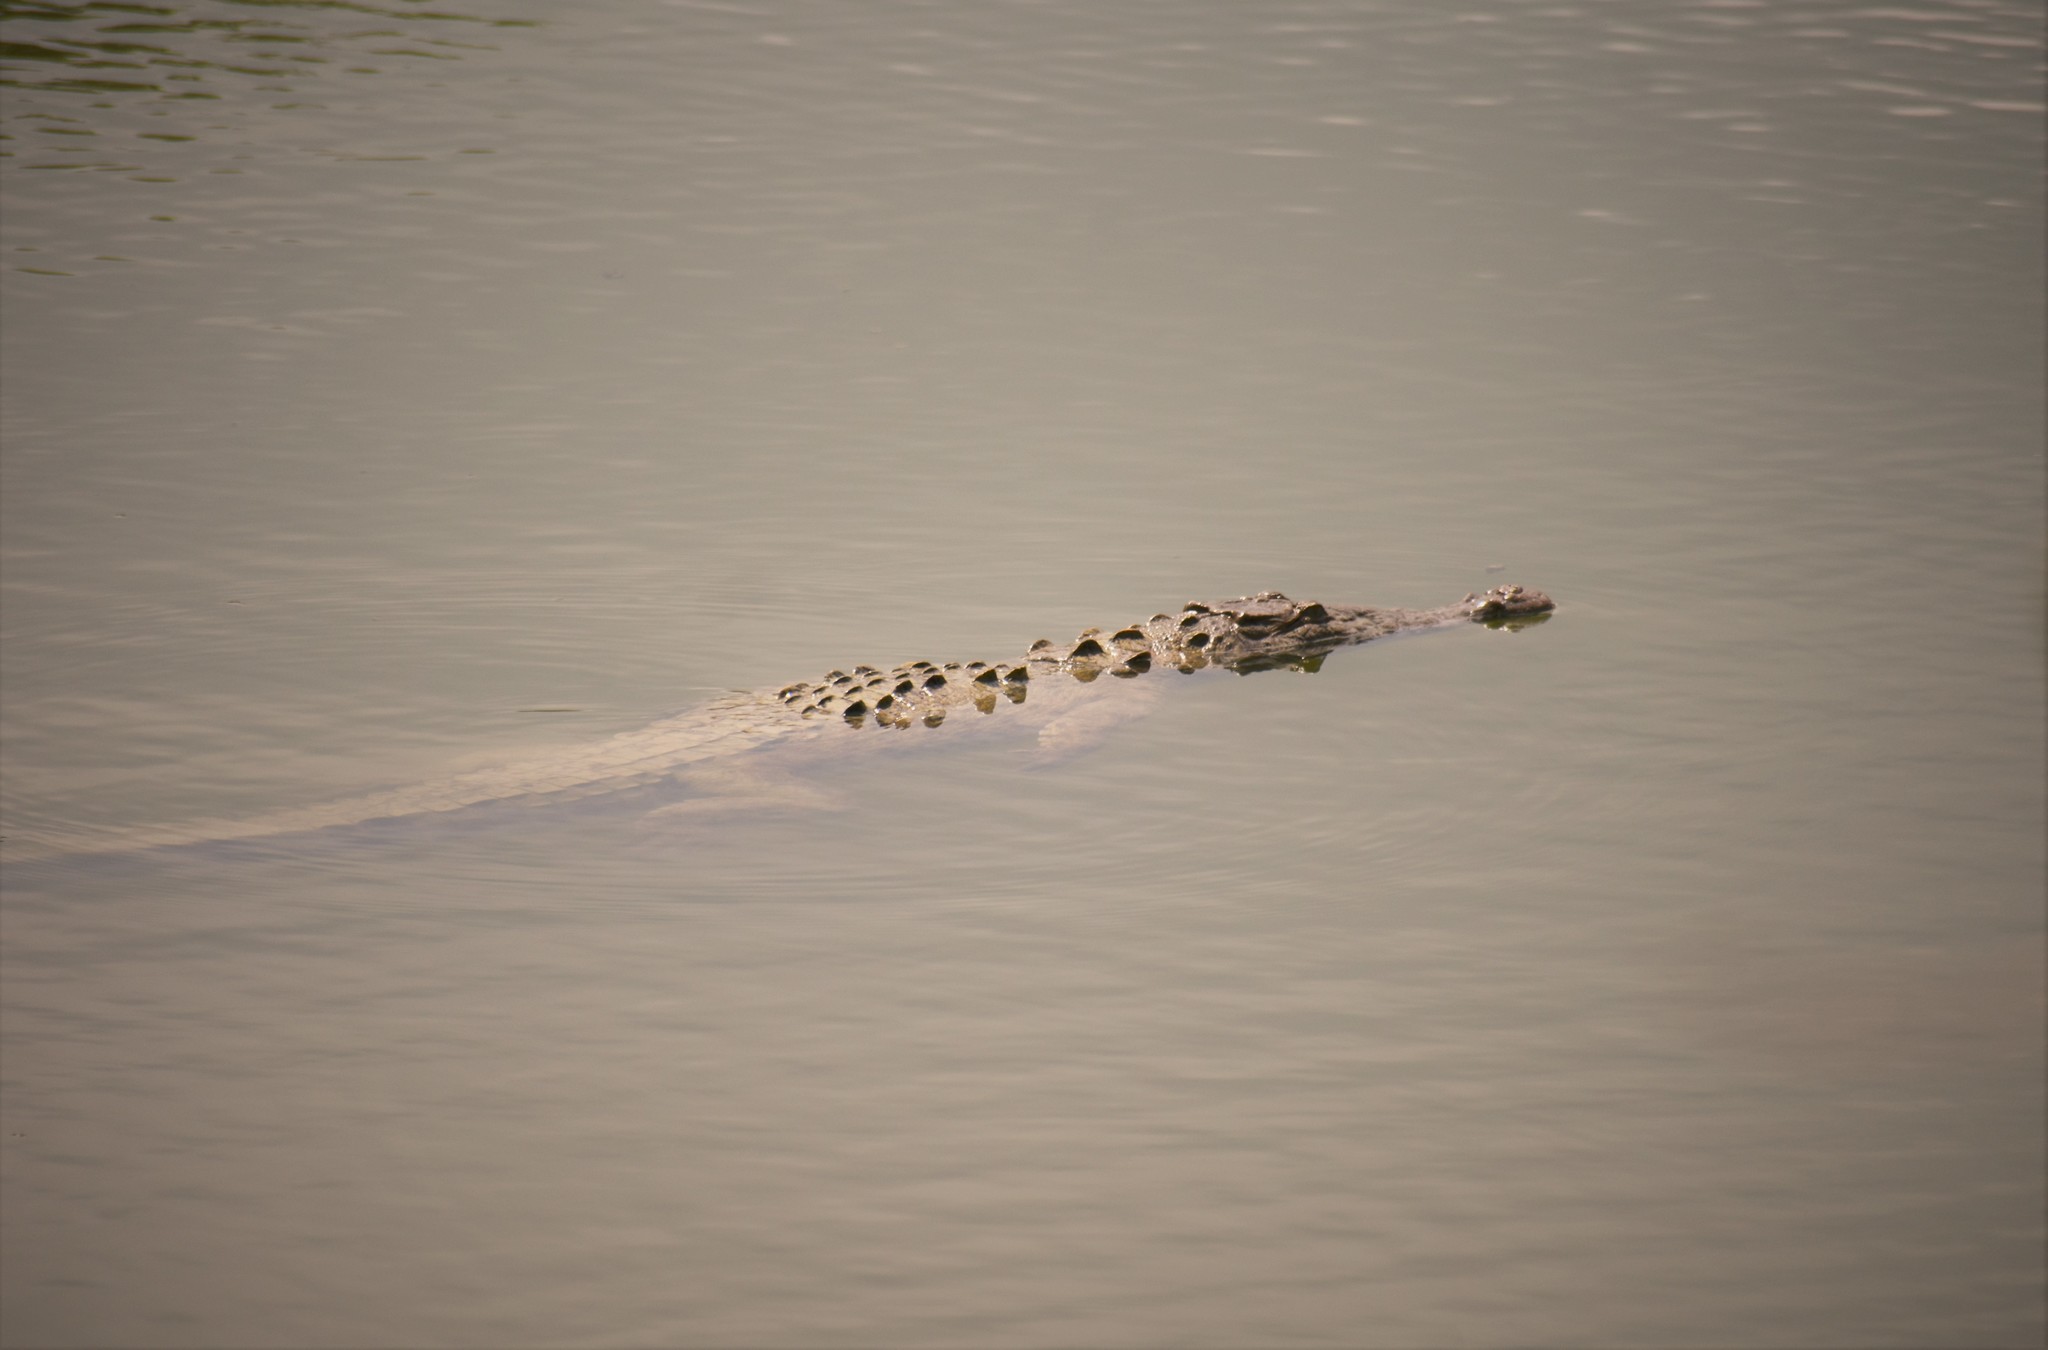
(733, 751)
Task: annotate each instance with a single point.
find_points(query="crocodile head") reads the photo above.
(1507, 602)
(1269, 630)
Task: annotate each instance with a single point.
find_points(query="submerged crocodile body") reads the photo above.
(1061, 687)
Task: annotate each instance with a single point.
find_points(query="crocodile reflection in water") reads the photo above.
(1059, 689)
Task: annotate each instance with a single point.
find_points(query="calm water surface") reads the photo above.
(393, 389)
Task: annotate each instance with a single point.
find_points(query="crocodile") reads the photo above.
(1068, 691)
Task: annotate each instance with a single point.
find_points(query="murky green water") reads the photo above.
(1667, 974)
